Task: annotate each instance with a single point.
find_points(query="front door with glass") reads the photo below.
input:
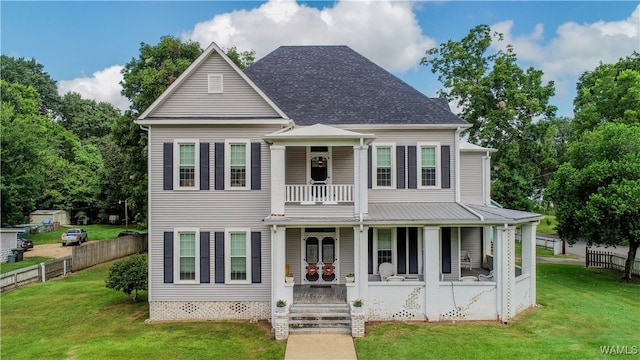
(319, 258)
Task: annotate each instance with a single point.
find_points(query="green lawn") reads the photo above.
(95, 232)
(582, 309)
(547, 225)
(7, 267)
(79, 318)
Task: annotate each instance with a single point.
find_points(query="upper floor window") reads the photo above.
(238, 168)
(384, 155)
(238, 241)
(187, 159)
(429, 162)
(186, 255)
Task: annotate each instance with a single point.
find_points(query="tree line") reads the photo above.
(73, 153)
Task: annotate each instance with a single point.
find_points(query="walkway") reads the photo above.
(320, 346)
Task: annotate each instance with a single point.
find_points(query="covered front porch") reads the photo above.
(428, 282)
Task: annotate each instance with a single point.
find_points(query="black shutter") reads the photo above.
(219, 166)
(255, 166)
(369, 168)
(205, 258)
(167, 161)
(204, 166)
(413, 250)
(400, 167)
(445, 164)
(256, 263)
(412, 167)
(219, 256)
(402, 250)
(370, 250)
(168, 257)
(446, 250)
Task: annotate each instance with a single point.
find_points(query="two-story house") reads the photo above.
(317, 162)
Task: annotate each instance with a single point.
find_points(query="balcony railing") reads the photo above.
(326, 194)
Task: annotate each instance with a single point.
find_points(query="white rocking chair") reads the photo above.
(465, 259)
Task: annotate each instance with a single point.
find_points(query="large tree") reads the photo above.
(144, 79)
(31, 73)
(610, 93)
(597, 191)
(508, 108)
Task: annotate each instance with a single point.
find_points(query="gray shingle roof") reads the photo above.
(336, 85)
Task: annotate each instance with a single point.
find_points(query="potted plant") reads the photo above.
(281, 305)
(288, 278)
(356, 307)
(350, 277)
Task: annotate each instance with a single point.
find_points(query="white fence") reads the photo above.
(83, 256)
(309, 194)
(550, 243)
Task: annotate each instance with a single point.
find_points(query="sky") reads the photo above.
(83, 45)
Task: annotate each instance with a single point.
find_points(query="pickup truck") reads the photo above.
(74, 236)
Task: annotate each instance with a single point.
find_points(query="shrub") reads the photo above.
(129, 275)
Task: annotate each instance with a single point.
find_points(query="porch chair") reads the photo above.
(387, 272)
(465, 259)
(483, 277)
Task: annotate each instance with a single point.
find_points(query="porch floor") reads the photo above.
(473, 272)
(320, 294)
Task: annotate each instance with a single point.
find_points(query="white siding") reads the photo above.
(346, 252)
(296, 165)
(209, 210)
(471, 178)
(192, 98)
(342, 162)
(294, 254)
(411, 138)
(455, 258)
(319, 210)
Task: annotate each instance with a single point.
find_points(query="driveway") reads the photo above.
(579, 248)
(48, 250)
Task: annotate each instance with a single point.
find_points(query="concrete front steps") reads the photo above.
(319, 319)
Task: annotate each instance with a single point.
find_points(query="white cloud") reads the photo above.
(575, 48)
(103, 86)
(386, 32)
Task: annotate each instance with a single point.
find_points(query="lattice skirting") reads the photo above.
(209, 310)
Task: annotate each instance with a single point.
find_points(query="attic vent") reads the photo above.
(215, 83)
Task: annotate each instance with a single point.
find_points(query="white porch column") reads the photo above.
(431, 264)
(278, 263)
(360, 265)
(504, 260)
(361, 195)
(529, 258)
(277, 180)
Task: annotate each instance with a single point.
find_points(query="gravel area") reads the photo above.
(49, 250)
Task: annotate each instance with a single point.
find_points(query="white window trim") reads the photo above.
(394, 248)
(176, 255)
(227, 255)
(374, 165)
(435, 145)
(176, 162)
(227, 164)
(211, 90)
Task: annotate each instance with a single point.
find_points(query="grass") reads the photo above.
(7, 267)
(547, 225)
(95, 232)
(78, 318)
(582, 309)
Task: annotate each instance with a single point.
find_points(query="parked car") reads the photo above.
(26, 244)
(74, 236)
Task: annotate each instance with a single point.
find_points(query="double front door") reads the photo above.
(319, 257)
